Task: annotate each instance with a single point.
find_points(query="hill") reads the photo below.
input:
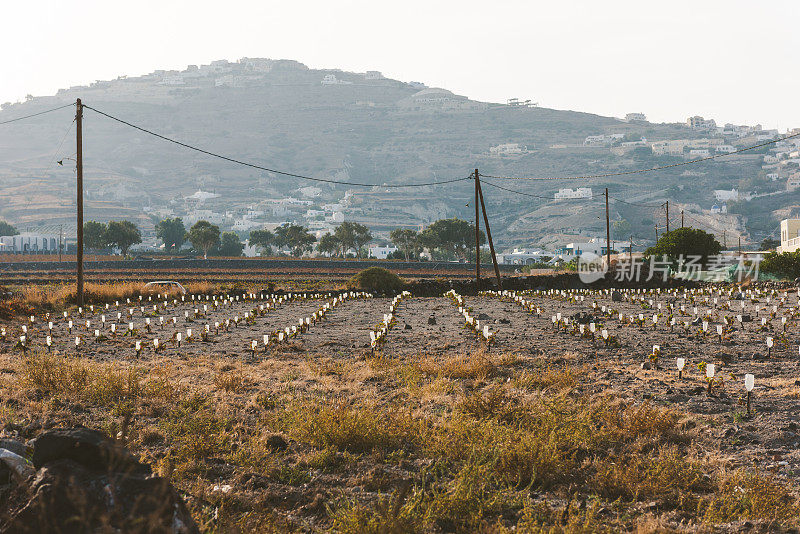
(345, 126)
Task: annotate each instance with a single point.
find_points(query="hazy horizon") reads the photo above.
(722, 60)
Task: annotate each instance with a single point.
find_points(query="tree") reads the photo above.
(172, 232)
(94, 235)
(230, 245)
(769, 244)
(785, 265)
(328, 244)
(204, 235)
(687, 242)
(406, 240)
(122, 234)
(352, 235)
(263, 239)
(7, 229)
(454, 237)
(294, 236)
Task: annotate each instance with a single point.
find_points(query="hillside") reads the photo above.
(354, 127)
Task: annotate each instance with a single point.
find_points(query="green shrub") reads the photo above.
(786, 265)
(376, 279)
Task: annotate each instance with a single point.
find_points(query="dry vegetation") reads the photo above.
(454, 442)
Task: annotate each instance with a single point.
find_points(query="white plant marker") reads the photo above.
(680, 363)
(749, 383)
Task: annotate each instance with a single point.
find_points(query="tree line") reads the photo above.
(445, 239)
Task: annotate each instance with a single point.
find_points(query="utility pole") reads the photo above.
(608, 235)
(79, 166)
(724, 241)
(667, 216)
(656, 227)
(489, 236)
(630, 249)
(740, 245)
(477, 238)
(60, 234)
(681, 218)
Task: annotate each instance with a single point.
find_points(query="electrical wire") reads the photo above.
(651, 169)
(637, 204)
(591, 199)
(254, 166)
(36, 114)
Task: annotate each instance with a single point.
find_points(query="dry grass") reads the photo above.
(55, 297)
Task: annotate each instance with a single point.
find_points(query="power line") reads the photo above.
(254, 166)
(637, 204)
(591, 199)
(651, 169)
(37, 114)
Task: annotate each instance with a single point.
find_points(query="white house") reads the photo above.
(699, 123)
(632, 117)
(725, 149)
(723, 195)
(522, 256)
(380, 252)
(698, 153)
(594, 246)
(508, 149)
(373, 75)
(580, 192)
(790, 235)
(715, 209)
(27, 242)
(793, 182)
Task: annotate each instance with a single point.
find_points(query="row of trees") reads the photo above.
(120, 234)
(445, 239)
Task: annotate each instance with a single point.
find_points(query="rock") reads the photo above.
(90, 448)
(17, 447)
(482, 317)
(646, 365)
(505, 321)
(407, 327)
(276, 442)
(616, 296)
(85, 482)
(431, 320)
(17, 465)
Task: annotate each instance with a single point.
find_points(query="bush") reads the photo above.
(786, 265)
(376, 279)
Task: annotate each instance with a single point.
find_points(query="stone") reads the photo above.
(431, 320)
(90, 448)
(616, 296)
(85, 482)
(276, 442)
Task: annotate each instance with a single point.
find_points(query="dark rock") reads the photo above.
(746, 318)
(646, 365)
(504, 321)
(85, 482)
(90, 448)
(431, 320)
(616, 296)
(407, 327)
(276, 442)
(482, 317)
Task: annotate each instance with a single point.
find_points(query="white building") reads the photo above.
(508, 149)
(330, 79)
(373, 75)
(698, 153)
(790, 235)
(594, 246)
(310, 191)
(723, 195)
(380, 252)
(27, 242)
(580, 192)
(725, 149)
(793, 182)
(699, 123)
(633, 117)
(522, 256)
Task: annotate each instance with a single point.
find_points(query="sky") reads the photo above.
(733, 60)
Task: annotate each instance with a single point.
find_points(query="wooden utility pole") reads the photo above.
(60, 236)
(79, 166)
(667, 216)
(630, 249)
(681, 218)
(608, 234)
(740, 245)
(724, 241)
(489, 235)
(477, 238)
(656, 227)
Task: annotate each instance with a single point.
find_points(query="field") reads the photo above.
(560, 416)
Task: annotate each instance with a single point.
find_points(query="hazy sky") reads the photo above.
(732, 60)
